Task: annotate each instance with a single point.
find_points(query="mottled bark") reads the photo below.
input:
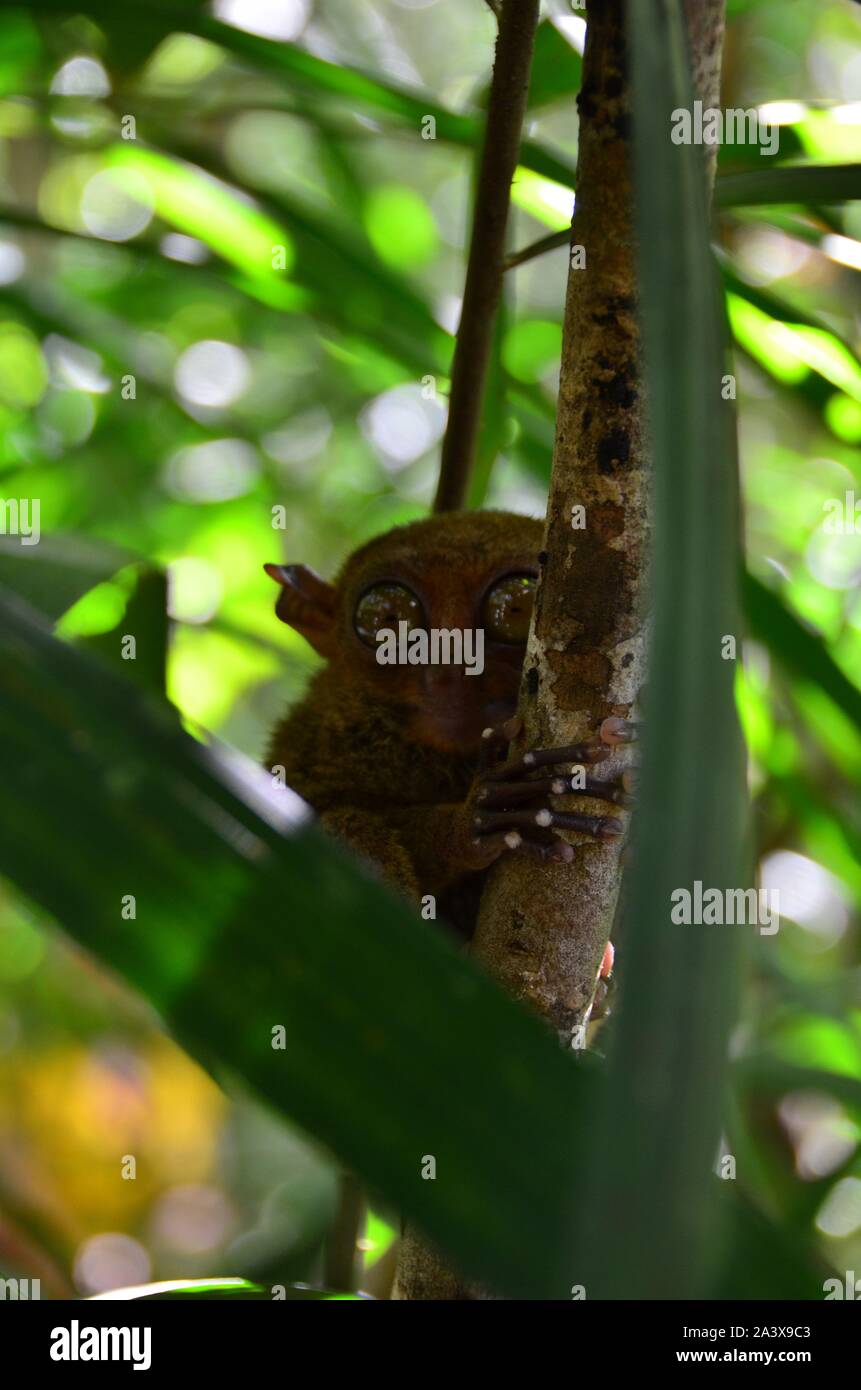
(542, 929)
(542, 932)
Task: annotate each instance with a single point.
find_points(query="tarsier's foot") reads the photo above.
(512, 810)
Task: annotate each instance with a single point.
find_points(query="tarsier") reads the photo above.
(407, 763)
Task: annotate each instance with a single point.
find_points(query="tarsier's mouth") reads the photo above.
(457, 726)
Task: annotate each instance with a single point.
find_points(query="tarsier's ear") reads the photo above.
(306, 602)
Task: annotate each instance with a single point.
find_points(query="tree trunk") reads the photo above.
(542, 930)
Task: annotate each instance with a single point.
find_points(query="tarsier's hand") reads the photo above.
(510, 806)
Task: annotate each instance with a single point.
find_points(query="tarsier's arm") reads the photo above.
(425, 850)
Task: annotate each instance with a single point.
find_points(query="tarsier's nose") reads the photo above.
(443, 680)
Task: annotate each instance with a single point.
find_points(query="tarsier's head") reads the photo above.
(408, 604)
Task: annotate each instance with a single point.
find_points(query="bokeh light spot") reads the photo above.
(272, 19)
(81, 77)
(214, 471)
(809, 894)
(401, 227)
(195, 589)
(117, 204)
(110, 1261)
(402, 425)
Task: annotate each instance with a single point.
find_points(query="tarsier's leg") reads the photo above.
(504, 815)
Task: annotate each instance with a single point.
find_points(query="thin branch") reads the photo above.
(537, 248)
(505, 110)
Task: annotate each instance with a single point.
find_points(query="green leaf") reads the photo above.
(776, 307)
(20, 49)
(133, 34)
(761, 1260)
(775, 1077)
(649, 1199)
(145, 619)
(801, 183)
(798, 650)
(240, 234)
(186, 1288)
(557, 68)
(241, 929)
(55, 573)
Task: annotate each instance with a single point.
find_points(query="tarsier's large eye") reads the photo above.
(508, 608)
(385, 605)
